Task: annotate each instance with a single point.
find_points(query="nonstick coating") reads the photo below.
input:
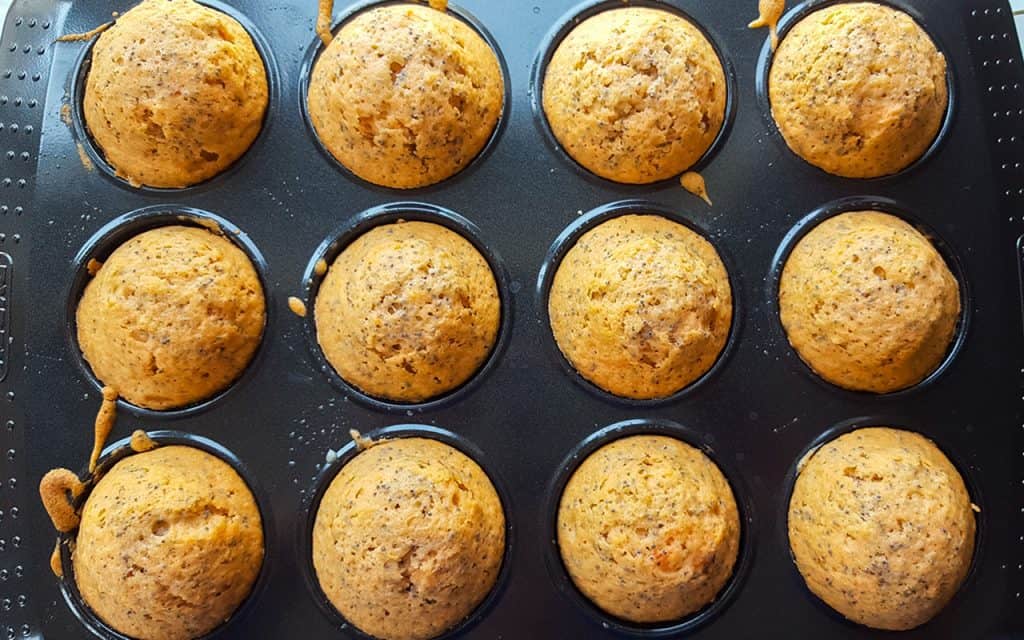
(527, 416)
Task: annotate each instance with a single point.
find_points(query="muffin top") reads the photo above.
(405, 95)
(881, 527)
(641, 306)
(172, 317)
(170, 544)
(868, 302)
(648, 529)
(176, 93)
(858, 89)
(635, 95)
(408, 539)
(408, 311)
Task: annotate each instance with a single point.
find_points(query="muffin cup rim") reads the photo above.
(114, 234)
(879, 204)
(898, 422)
(75, 88)
(329, 471)
(741, 495)
(553, 39)
(354, 227)
(114, 453)
(766, 56)
(567, 239)
(316, 47)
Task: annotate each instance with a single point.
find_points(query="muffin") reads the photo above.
(176, 93)
(635, 95)
(868, 302)
(858, 89)
(648, 529)
(172, 317)
(170, 544)
(408, 311)
(641, 306)
(881, 527)
(408, 539)
(405, 95)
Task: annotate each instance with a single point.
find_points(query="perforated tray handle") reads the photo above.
(25, 57)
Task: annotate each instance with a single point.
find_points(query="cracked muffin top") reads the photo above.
(858, 89)
(635, 95)
(405, 95)
(648, 529)
(175, 93)
(408, 539)
(881, 527)
(868, 303)
(641, 306)
(408, 311)
(170, 544)
(172, 317)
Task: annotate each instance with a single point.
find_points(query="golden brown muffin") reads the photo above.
(641, 306)
(408, 539)
(405, 95)
(868, 302)
(881, 527)
(858, 89)
(172, 317)
(635, 95)
(648, 529)
(175, 93)
(408, 311)
(170, 544)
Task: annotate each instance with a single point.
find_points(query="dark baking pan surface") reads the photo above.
(527, 415)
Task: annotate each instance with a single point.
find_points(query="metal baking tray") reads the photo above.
(527, 417)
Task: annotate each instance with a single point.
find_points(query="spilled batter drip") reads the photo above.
(88, 35)
(694, 183)
(321, 267)
(770, 12)
(104, 423)
(141, 442)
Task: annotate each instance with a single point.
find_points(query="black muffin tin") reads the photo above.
(526, 417)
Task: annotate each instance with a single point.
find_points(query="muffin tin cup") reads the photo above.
(345, 455)
(908, 215)
(120, 450)
(568, 238)
(347, 233)
(764, 66)
(80, 131)
(121, 229)
(553, 557)
(316, 47)
(554, 38)
(893, 421)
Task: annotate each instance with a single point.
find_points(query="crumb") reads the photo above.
(321, 267)
(362, 443)
(297, 306)
(93, 267)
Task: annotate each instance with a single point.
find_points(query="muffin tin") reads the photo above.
(524, 416)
